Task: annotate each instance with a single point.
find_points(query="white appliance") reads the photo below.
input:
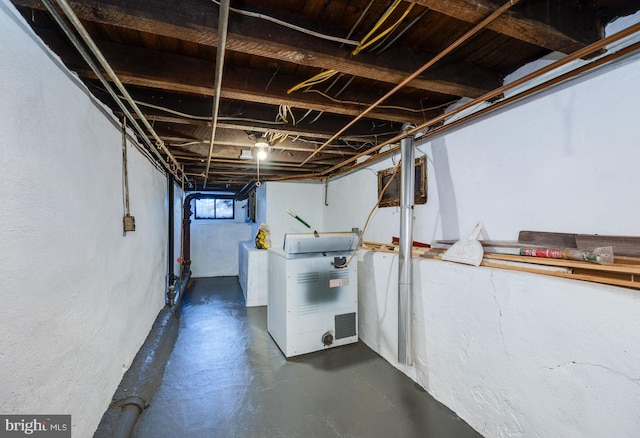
(313, 303)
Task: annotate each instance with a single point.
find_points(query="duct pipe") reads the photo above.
(405, 263)
(223, 22)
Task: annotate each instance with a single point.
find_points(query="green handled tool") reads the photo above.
(292, 214)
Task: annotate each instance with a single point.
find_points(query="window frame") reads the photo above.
(214, 198)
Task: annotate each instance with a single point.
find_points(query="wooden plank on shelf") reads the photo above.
(617, 274)
(583, 277)
(548, 239)
(622, 245)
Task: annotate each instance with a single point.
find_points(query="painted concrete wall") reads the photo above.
(517, 354)
(214, 243)
(78, 296)
(304, 199)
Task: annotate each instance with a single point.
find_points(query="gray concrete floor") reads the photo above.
(226, 378)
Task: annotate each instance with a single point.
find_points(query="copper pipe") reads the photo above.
(415, 74)
(585, 51)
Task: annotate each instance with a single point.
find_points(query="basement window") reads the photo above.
(219, 207)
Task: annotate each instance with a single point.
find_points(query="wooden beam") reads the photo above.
(156, 69)
(196, 21)
(247, 117)
(573, 32)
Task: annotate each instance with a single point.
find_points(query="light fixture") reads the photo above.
(263, 147)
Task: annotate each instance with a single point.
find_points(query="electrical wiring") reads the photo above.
(204, 118)
(323, 76)
(291, 26)
(366, 223)
(305, 115)
(401, 108)
(315, 119)
(364, 45)
(344, 87)
(273, 137)
(284, 111)
(403, 31)
(381, 20)
(320, 77)
(360, 18)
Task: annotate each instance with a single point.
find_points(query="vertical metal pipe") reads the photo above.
(171, 278)
(186, 233)
(405, 265)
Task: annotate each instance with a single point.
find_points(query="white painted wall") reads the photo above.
(304, 199)
(214, 243)
(517, 354)
(78, 297)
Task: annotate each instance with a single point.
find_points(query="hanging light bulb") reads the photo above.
(262, 149)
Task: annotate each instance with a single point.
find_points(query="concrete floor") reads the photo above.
(227, 378)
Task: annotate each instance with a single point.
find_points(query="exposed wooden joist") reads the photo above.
(244, 116)
(196, 21)
(156, 69)
(285, 146)
(570, 34)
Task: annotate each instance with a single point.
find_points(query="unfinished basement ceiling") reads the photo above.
(165, 55)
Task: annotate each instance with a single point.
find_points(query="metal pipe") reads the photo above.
(171, 278)
(186, 229)
(125, 166)
(223, 22)
(186, 232)
(586, 51)
(131, 410)
(415, 74)
(87, 58)
(405, 263)
(75, 21)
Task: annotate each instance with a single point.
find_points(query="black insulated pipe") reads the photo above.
(143, 378)
(186, 228)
